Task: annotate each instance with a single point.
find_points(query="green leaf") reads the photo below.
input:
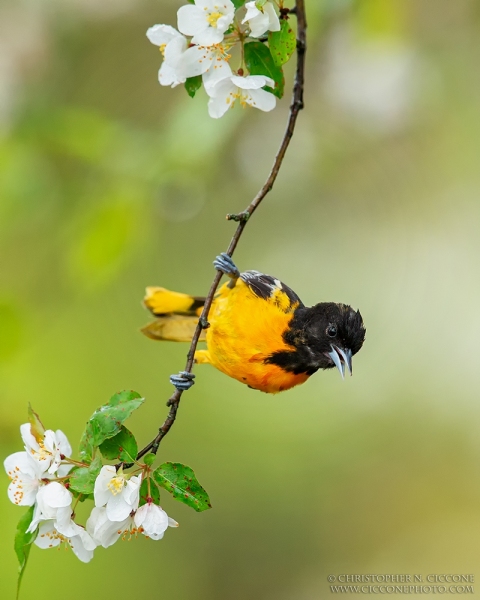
(282, 43)
(107, 421)
(23, 544)
(154, 492)
(82, 479)
(36, 426)
(193, 84)
(259, 61)
(260, 3)
(122, 446)
(181, 482)
(238, 3)
(149, 459)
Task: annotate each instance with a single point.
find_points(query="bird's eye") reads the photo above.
(331, 331)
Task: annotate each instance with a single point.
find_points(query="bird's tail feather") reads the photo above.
(177, 315)
(160, 301)
(173, 328)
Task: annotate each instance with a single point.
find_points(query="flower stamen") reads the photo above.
(213, 18)
(116, 485)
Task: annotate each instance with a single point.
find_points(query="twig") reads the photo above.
(243, 217)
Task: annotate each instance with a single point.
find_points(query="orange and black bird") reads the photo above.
(260, 331)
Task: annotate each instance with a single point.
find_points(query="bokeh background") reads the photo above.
(109, 183)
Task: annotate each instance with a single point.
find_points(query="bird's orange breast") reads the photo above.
(244, 331)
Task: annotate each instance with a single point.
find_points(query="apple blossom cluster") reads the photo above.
(46, 479)
(209, 34)
(39, 478)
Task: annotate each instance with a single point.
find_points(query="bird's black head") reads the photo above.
(326, 335)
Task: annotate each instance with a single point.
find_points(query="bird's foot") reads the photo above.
(183, 381)
(225, 264)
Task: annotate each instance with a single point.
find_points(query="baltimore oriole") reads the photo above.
(260, 331)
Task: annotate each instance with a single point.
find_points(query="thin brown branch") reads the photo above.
(243, 217)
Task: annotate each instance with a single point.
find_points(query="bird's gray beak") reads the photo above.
(341, 358)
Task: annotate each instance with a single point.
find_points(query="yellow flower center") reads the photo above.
(213, 18)
(128, 534)
(42, 453)
(162, 49)
(235, 96)
(115, 485)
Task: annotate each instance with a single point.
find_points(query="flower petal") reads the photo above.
(252, 11)
(169, 73)
(104, 531)
(274, 22)
(63, 444)
(131, 493)
(83, 545)
(153, 520)
(191, 19)
(55, 495)
(24, 473)
(259, 25)
(219, 69)
(21, 462)
(28, 437)
(261, 99)
(101, 493)
(195, 61)
(208, 36)
(252, 82)
(218, 106)
(47, 536)
(117, 508)
(161, 34)
(64, 523)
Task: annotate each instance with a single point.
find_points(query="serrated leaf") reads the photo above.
(193, 84)
(149, 459)
(154, 492)
(122, 447)
(282, 43)
(259, 61)
(23, 543)
(181, 482)
(36, 426)
(82, 479)
(107, 421)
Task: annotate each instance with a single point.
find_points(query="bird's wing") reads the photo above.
(272, 289)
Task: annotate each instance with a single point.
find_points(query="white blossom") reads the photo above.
(53, 501)
(261, 20)
(106, 532)
(210, 61)
(248, 90)
(172, 45)
(119, 495)
(153, 521)
(78, 539)
(206, 21)
(49, 451)
(25, 474)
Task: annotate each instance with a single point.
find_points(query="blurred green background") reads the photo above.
(109, 183)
